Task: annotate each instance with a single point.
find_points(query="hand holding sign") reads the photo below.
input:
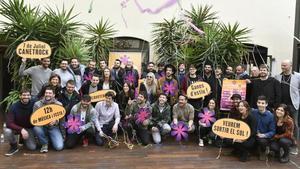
(198, 90)
(33, 50)
(231, 128)
(48, 114)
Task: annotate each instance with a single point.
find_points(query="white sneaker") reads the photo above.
(294, 150)
(209, 141)
(201, 143)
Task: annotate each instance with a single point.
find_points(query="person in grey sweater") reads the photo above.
(39, 74)
(64, 73)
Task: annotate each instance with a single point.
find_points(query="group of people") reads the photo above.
(146, 106)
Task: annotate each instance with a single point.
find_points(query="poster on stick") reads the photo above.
(33, 50)
(198, 90)
(99, 95)
(229, 88)
(46, 114)
(232, 129)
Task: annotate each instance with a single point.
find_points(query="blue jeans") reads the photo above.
(54, 135)
(10, 135)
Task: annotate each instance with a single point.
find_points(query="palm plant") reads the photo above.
(60, 26)
(24, 23)
(74, 48)
(100, 39)
(167, 38)
(222, 44)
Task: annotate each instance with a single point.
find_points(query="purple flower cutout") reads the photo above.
(180, 131)
(142, 115)
(124, 59)
(129, 77)
(169, 88)
(207, 117)
(73, 124)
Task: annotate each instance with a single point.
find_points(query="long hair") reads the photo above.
(285, 109)
(54, 76)
(153, 86)
(246, 104)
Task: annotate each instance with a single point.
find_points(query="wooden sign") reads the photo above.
(46, 114)
(33, 50)
(99, 95)
(231, 128)
(198, 90)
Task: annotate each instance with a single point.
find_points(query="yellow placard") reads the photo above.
(231, 128)
(99, 95)
(198, 90)
(46, 114)
(33, 50)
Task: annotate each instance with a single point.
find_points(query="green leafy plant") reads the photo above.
(12, 97)
(100, 39)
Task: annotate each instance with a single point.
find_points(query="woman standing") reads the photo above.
(107, 82)
(149, 86)
(283, 139)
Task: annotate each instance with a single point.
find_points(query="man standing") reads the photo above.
(131, 75)
(160, 71)
(265, 126)
(210, 78)
(77, 71)
(183, 111)
(53, 129)
(69, 97)
(266, 86)
(63, 72)
(90, 70)
(161, 117)
(290, 89)
(189, 79)
(241, 73)
(181, 74)
(87, 115)
(169, 84)
(18, 122)
(107, 118)
(150, 68)
(39, 74)
(117, 73)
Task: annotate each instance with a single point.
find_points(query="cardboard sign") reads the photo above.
(231, 128)
(33, 50)
(229, 88)
(198, 90)
(46, 114)
(99, 95)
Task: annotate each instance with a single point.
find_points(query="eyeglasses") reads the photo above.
(149, 77)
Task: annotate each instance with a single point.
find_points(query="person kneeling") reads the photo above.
(161, 117)
(87, 115)
(107, 119)
(183, 111)
(53, 129)
(283, 138)
(18, 122)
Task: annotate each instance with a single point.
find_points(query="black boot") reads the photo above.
(244, 156)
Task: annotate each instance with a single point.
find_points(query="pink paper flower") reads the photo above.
(129, 77)
(142, 115)
(180, 131)
(207, 117)
(169, 88)
(124, 59)
(73, 124)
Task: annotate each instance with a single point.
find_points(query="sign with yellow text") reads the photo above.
(100, 95)
(135, 57)
(231, 128)
(198, 90)
(46, 114)
(33, 50)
